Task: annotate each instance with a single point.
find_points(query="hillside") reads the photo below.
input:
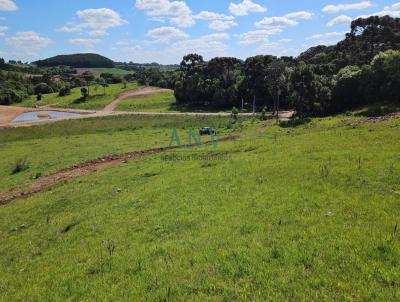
(294, 214)
(367, 38)
(84, 60)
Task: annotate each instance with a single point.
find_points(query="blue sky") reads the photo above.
(163, 30)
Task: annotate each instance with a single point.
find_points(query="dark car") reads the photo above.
(207, 131)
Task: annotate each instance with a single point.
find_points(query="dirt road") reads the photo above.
(81, 169)
(8, 113)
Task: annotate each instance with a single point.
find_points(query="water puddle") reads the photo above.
(42, 115)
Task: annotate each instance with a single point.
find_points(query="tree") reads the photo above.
(255, 83)
(276, 82)
(43, 88)
(103, 84)
(306, 88)
(346, 91)
(84, 93)
(88, 77)
(386, 74)
(66, 90)
(190, 61)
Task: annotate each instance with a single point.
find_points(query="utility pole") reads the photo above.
(241, 113)
(277, 107)
(254, 106)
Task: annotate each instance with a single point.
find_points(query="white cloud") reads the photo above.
(257, 36)
(216, 37)
(246, 7)
(8, 6)
(88, 43)
(95, 21)
(28, 42)
(277, 48)
(220, 25)
(279, 22)
(386, 12)
(206, 48)
(395, 6)
(177, 12)
(210, 16)
(300, 15)
(3, 30)
(327, 35)
(167, 33)
(342, 19)
(333, 9)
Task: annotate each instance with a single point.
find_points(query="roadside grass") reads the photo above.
(97, 99)
(308, 213)
(49, 148)
(161, 102)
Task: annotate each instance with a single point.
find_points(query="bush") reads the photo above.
(85, 93)
(66, 90)
(235, 114)
(263, 114)
(294, 122)
(20, 165)
(43, 88)
(39, 97)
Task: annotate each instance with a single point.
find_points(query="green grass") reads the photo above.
(114, 71)
(293, 214)
(162, 102)
(97, 99)
(48, 148)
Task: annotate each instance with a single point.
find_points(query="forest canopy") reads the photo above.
(87, 60)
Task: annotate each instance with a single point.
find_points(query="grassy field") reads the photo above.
(291, 214)
(48, 148)
(114, 71)
(97, 99)
(162, 102)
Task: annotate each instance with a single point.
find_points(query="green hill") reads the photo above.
(367, 38)
(84, 60)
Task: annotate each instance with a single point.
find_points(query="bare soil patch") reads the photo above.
(8, 113)
(81, 169)
(146, 91)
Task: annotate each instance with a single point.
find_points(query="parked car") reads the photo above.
(207, 131)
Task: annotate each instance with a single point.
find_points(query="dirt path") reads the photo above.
(8, 113)
(132, 94)
(84, 168)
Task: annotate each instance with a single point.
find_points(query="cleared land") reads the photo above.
(151, 93)
(98, 71)
(161, 102)
(97, 99)
(293, 214)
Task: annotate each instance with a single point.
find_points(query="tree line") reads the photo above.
(362, 69)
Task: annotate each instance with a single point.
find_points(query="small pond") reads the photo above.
(42, 115)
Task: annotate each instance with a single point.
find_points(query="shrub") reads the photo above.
(20, 165)
(84, 92)
(235, 114)
(43, 88)
(66, 90)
